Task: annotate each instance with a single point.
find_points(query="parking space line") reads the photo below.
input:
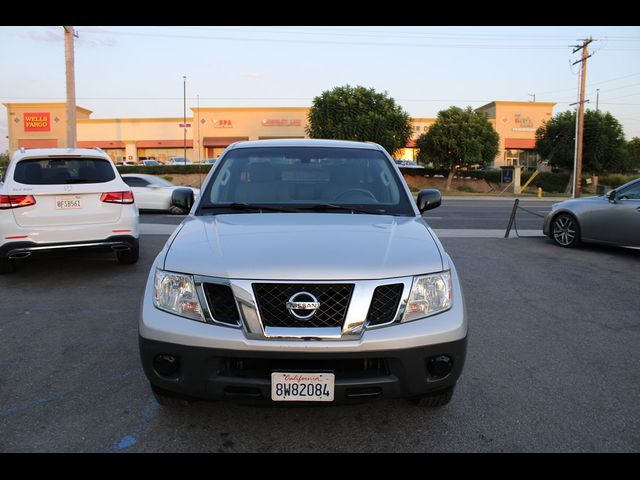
(483, 233)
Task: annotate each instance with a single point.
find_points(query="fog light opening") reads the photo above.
(439, 366)
(166, 365)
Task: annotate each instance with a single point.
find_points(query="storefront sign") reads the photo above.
(37, 122)
(281, 122)
(523, 124)
(222, 124)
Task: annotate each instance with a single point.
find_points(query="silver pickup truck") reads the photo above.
(304, 273)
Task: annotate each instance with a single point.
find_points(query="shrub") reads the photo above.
(165, 169)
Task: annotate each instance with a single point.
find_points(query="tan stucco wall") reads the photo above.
(57, 122)
(516, 120)
(132, 129)
(251, 122)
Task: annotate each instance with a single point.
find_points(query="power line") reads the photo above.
(395, 34)
(327, 42)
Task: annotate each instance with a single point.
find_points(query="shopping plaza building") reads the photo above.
(210, 130)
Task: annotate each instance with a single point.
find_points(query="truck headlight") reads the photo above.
(430, 294)
(176, 293)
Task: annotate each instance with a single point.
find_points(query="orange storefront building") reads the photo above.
(211, 130)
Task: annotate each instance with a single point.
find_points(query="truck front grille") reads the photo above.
(222, 304)
(272, 301)
(384, 303)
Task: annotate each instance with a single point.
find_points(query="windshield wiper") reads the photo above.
(323, 207)
(244, 206)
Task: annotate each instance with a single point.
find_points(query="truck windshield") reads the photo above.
(297, 178)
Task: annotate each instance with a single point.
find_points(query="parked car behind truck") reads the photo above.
(304, 273)
(61, 199)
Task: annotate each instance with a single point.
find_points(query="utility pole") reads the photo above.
(597, 99)
(71, 86)
(184, 115)
(580, 115)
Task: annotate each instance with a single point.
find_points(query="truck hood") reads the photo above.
(304, 246)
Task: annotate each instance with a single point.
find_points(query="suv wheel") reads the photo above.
(169, 399)
(128, 257)
(436, 399)
(565, 231)
(7, 265)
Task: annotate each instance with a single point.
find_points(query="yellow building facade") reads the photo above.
(210, 130)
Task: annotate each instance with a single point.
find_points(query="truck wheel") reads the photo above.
(436, 399)
(128, 257)
(7, 265)
(169, 399)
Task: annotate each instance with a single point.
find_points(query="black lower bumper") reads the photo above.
(23, 249)
(245, 376)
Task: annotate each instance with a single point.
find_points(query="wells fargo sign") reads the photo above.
(37, 122)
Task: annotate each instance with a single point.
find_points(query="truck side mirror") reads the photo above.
(183, 198)
(428, 199)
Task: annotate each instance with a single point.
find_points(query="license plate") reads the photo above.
(302, 387)
(68, 202)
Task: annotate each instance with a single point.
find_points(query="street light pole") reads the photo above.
(184, 116)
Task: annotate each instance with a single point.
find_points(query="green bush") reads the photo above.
(165, 169)
(614, 180)
(550, 182)
(492, 176)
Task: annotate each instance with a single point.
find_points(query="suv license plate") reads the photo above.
(68, 201)
(302, 387)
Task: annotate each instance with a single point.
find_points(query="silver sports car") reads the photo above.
(612, 219)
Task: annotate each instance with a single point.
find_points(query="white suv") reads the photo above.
(55, 198)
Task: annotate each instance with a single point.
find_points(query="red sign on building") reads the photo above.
(37, 122)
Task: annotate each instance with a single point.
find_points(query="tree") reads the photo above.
(604, 148)
(458, 137)
(361, 114)
(634, 154)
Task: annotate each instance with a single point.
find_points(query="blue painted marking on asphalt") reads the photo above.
(127, 442)
(56, 396)
(31, 403)
(130, 440)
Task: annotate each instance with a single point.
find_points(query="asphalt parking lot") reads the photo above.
(552, 364)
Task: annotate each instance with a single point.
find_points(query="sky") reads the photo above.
(137, 71)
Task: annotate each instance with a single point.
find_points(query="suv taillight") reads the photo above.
(117, 197)
(16, 201)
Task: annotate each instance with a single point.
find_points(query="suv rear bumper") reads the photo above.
(245, 376)
(25, 249)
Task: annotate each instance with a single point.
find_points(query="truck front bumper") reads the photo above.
(245, 376)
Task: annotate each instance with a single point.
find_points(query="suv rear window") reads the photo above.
(55, 171)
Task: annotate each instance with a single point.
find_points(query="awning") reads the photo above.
(38, 143)
(520, 143)
(163, 144)
(101, 144)
(221, 141)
